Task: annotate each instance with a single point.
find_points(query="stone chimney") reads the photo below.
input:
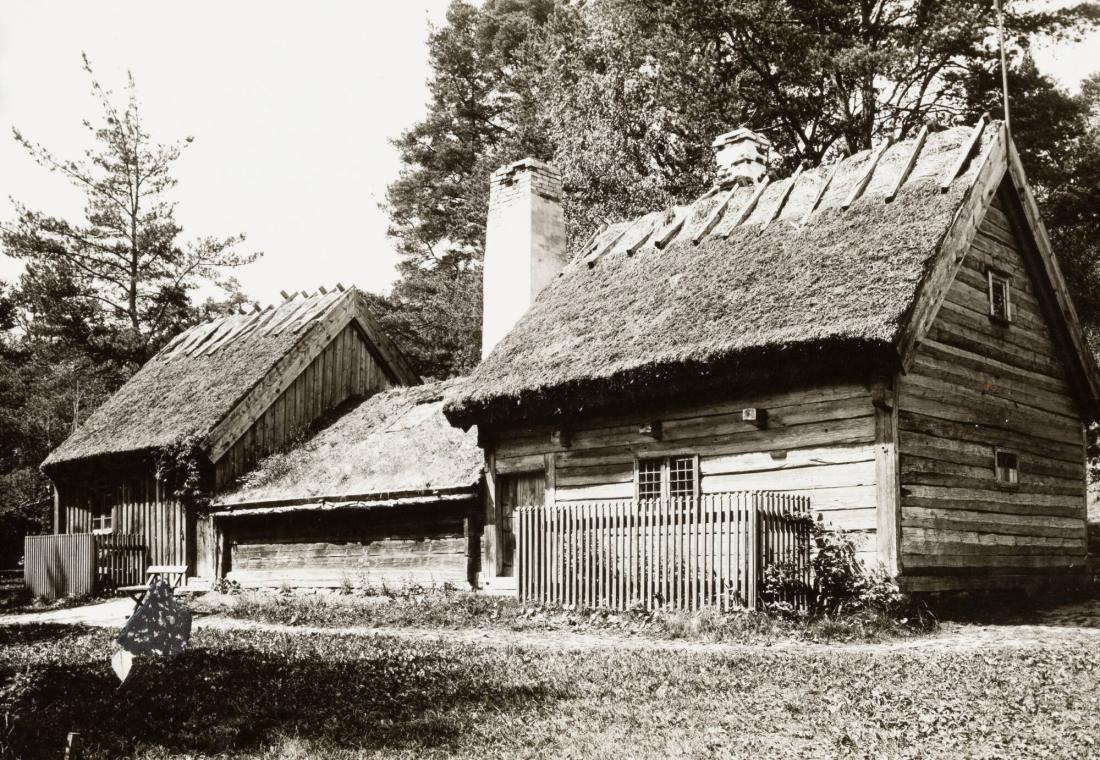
(524, 244)
(742, 157)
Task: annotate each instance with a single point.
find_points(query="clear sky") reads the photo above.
(291, 106)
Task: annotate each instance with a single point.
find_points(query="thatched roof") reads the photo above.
(735, 289)
(199, 377)
(394, 445)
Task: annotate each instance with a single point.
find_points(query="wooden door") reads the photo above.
(519, 490)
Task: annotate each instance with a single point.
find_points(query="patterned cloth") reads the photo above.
(160, 625)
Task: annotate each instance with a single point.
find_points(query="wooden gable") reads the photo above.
(346, 355)
(976, 387)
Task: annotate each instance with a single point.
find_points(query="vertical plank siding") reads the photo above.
(975, 386)
(59, 565)
(680, 553)
(345, 368)
(140, 506)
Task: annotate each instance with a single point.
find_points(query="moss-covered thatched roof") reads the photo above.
(728, 296)
(394, 443)
(197, 379)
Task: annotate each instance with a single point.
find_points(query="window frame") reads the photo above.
(997, 452)
(665, 462)
(997, 277)
(101, 512)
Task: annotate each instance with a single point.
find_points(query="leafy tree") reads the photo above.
(481, 114)
(126, 274)
(625, 97)
(97, 297)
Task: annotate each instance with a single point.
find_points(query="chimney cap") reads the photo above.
(741, 134)
(525, 164)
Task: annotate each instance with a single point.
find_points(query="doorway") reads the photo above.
(518, 490)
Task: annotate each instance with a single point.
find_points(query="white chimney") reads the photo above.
(524, 244)
(742, 157)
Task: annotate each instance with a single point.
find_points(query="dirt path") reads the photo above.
(1070, 624)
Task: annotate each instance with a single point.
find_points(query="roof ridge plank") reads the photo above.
(240, 329)
(285, 322)
(321, 308)
(228, 325)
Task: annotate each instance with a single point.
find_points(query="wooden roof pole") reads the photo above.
(744, 213)
(964, 154)
(821, 192)
(909, 164)
(865, 179)
(782, 198)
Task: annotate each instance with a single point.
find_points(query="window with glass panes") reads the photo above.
(100, 507)
(1008, 466)
(667, 477)
(1000, 297)
(649, 478)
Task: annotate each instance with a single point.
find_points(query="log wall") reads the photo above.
(818, 442)
(345, 368)
(428, 545)
(976, 385)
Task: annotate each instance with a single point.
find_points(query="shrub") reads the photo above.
(841, 585)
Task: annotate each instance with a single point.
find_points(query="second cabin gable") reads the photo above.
(346, 367)
(990, 433)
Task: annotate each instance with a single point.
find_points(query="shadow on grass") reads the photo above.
(235, 691)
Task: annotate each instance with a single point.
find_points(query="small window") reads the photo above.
(102, 514)
(1008, 467)
(649, 478)
(681, 477)
(1000, 297)
(664, 478)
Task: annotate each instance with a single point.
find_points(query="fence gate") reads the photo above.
(679, 553)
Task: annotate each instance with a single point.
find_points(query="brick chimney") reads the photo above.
(524, 244)
(742, 157)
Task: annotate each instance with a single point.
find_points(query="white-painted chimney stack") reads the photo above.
(742, 157)
(525, 244)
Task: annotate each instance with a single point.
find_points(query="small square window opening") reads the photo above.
(1008, 467)
(1000, 297)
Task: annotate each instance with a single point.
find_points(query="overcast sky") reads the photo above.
(291, 106)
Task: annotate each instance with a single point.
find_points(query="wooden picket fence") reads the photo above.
(680, 553)
(120, 560)
(78, 564)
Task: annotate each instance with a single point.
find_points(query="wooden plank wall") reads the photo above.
(410, 544)
(59, 565)
(975, 385)
(818, 442)
(141, 506)
(345, 368)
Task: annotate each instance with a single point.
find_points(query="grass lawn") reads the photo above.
(299, 694)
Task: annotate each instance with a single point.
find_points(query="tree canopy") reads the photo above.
(625, 97)
(98, 295)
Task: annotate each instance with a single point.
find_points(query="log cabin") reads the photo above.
(203, 411)
(387, 494)
(890, 335)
